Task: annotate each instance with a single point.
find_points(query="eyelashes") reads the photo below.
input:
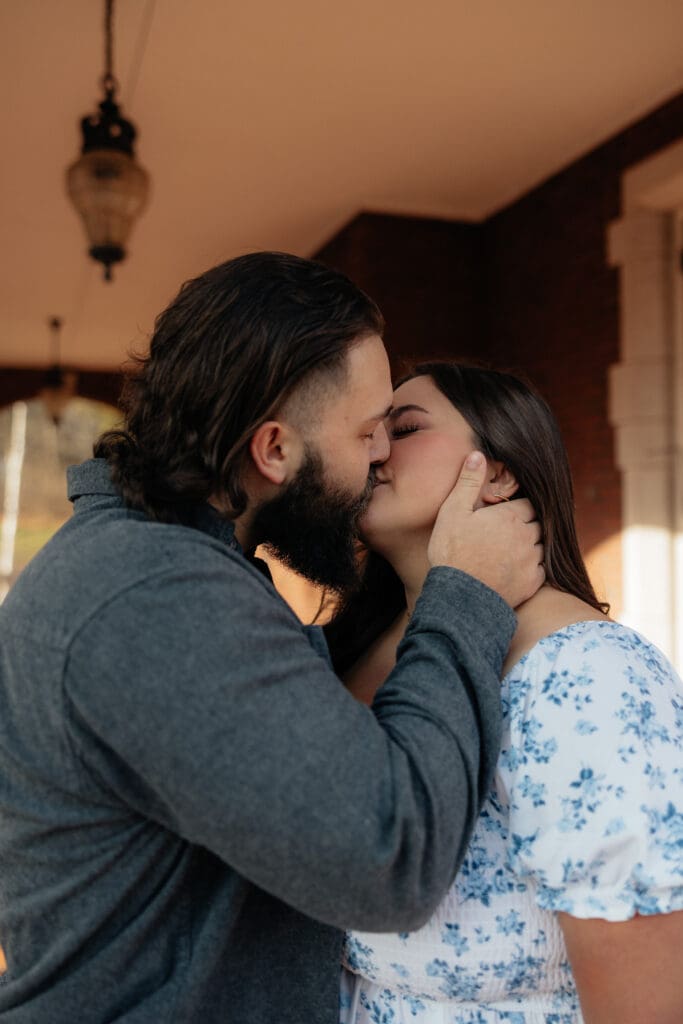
(405, 428)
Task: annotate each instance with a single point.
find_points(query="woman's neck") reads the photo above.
(544, 613)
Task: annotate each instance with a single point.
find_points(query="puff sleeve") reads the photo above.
(594, 774)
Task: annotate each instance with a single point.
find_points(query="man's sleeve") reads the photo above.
(200, 703)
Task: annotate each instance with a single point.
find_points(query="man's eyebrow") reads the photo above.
(381, 415)
(395, 413)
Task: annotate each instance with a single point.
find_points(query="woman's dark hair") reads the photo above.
(226, 353)
(511, 424)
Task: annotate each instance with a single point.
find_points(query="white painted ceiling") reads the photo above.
(269, 125)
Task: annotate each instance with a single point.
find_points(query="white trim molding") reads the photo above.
(645, 397)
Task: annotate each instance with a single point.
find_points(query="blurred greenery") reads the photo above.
(30, 539)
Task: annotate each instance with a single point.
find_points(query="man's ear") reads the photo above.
(276, 451)
(501, 484)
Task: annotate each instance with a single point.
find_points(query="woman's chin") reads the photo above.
(376, 533)
(365, 532)
(369, 526)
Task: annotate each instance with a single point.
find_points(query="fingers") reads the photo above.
(523, 508)
(465, 494)
(524, 511)
(540, 577)
(535, 531)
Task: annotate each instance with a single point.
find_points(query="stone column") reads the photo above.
(641, 404)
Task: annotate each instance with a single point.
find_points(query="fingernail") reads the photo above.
(473, 460)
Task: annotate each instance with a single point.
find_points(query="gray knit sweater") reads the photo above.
(191, 805)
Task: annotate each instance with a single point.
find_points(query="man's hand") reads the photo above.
(499, 545)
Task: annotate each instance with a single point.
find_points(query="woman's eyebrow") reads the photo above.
(395, 413)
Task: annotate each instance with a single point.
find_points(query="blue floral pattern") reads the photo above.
(585, 816)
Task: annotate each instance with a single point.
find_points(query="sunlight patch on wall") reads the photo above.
(648, 597)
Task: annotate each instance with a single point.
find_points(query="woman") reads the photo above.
(569, 903)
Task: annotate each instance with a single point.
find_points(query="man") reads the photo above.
(191, 805)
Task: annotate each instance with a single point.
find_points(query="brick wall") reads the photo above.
(426, 275)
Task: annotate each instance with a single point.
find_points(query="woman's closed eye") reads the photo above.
(402, 429)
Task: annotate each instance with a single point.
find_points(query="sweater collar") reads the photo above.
(92, 479)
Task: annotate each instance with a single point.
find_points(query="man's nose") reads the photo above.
(380, 447)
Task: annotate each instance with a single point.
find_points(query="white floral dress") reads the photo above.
(585, 816)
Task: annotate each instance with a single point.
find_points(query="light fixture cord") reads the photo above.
(108, 80)
(55, 325)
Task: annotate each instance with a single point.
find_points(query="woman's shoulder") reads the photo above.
(597, 678)
(553, 624)
(547, 613)
(597, 642)
(591, 770)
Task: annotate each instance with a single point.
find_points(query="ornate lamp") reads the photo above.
(107, 187)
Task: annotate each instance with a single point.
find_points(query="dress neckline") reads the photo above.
(571, 626)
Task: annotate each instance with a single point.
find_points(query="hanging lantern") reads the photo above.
(107, 187)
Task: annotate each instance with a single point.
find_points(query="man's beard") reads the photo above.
(313, 527)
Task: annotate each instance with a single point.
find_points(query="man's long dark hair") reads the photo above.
(511, 424)
(224, 355)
